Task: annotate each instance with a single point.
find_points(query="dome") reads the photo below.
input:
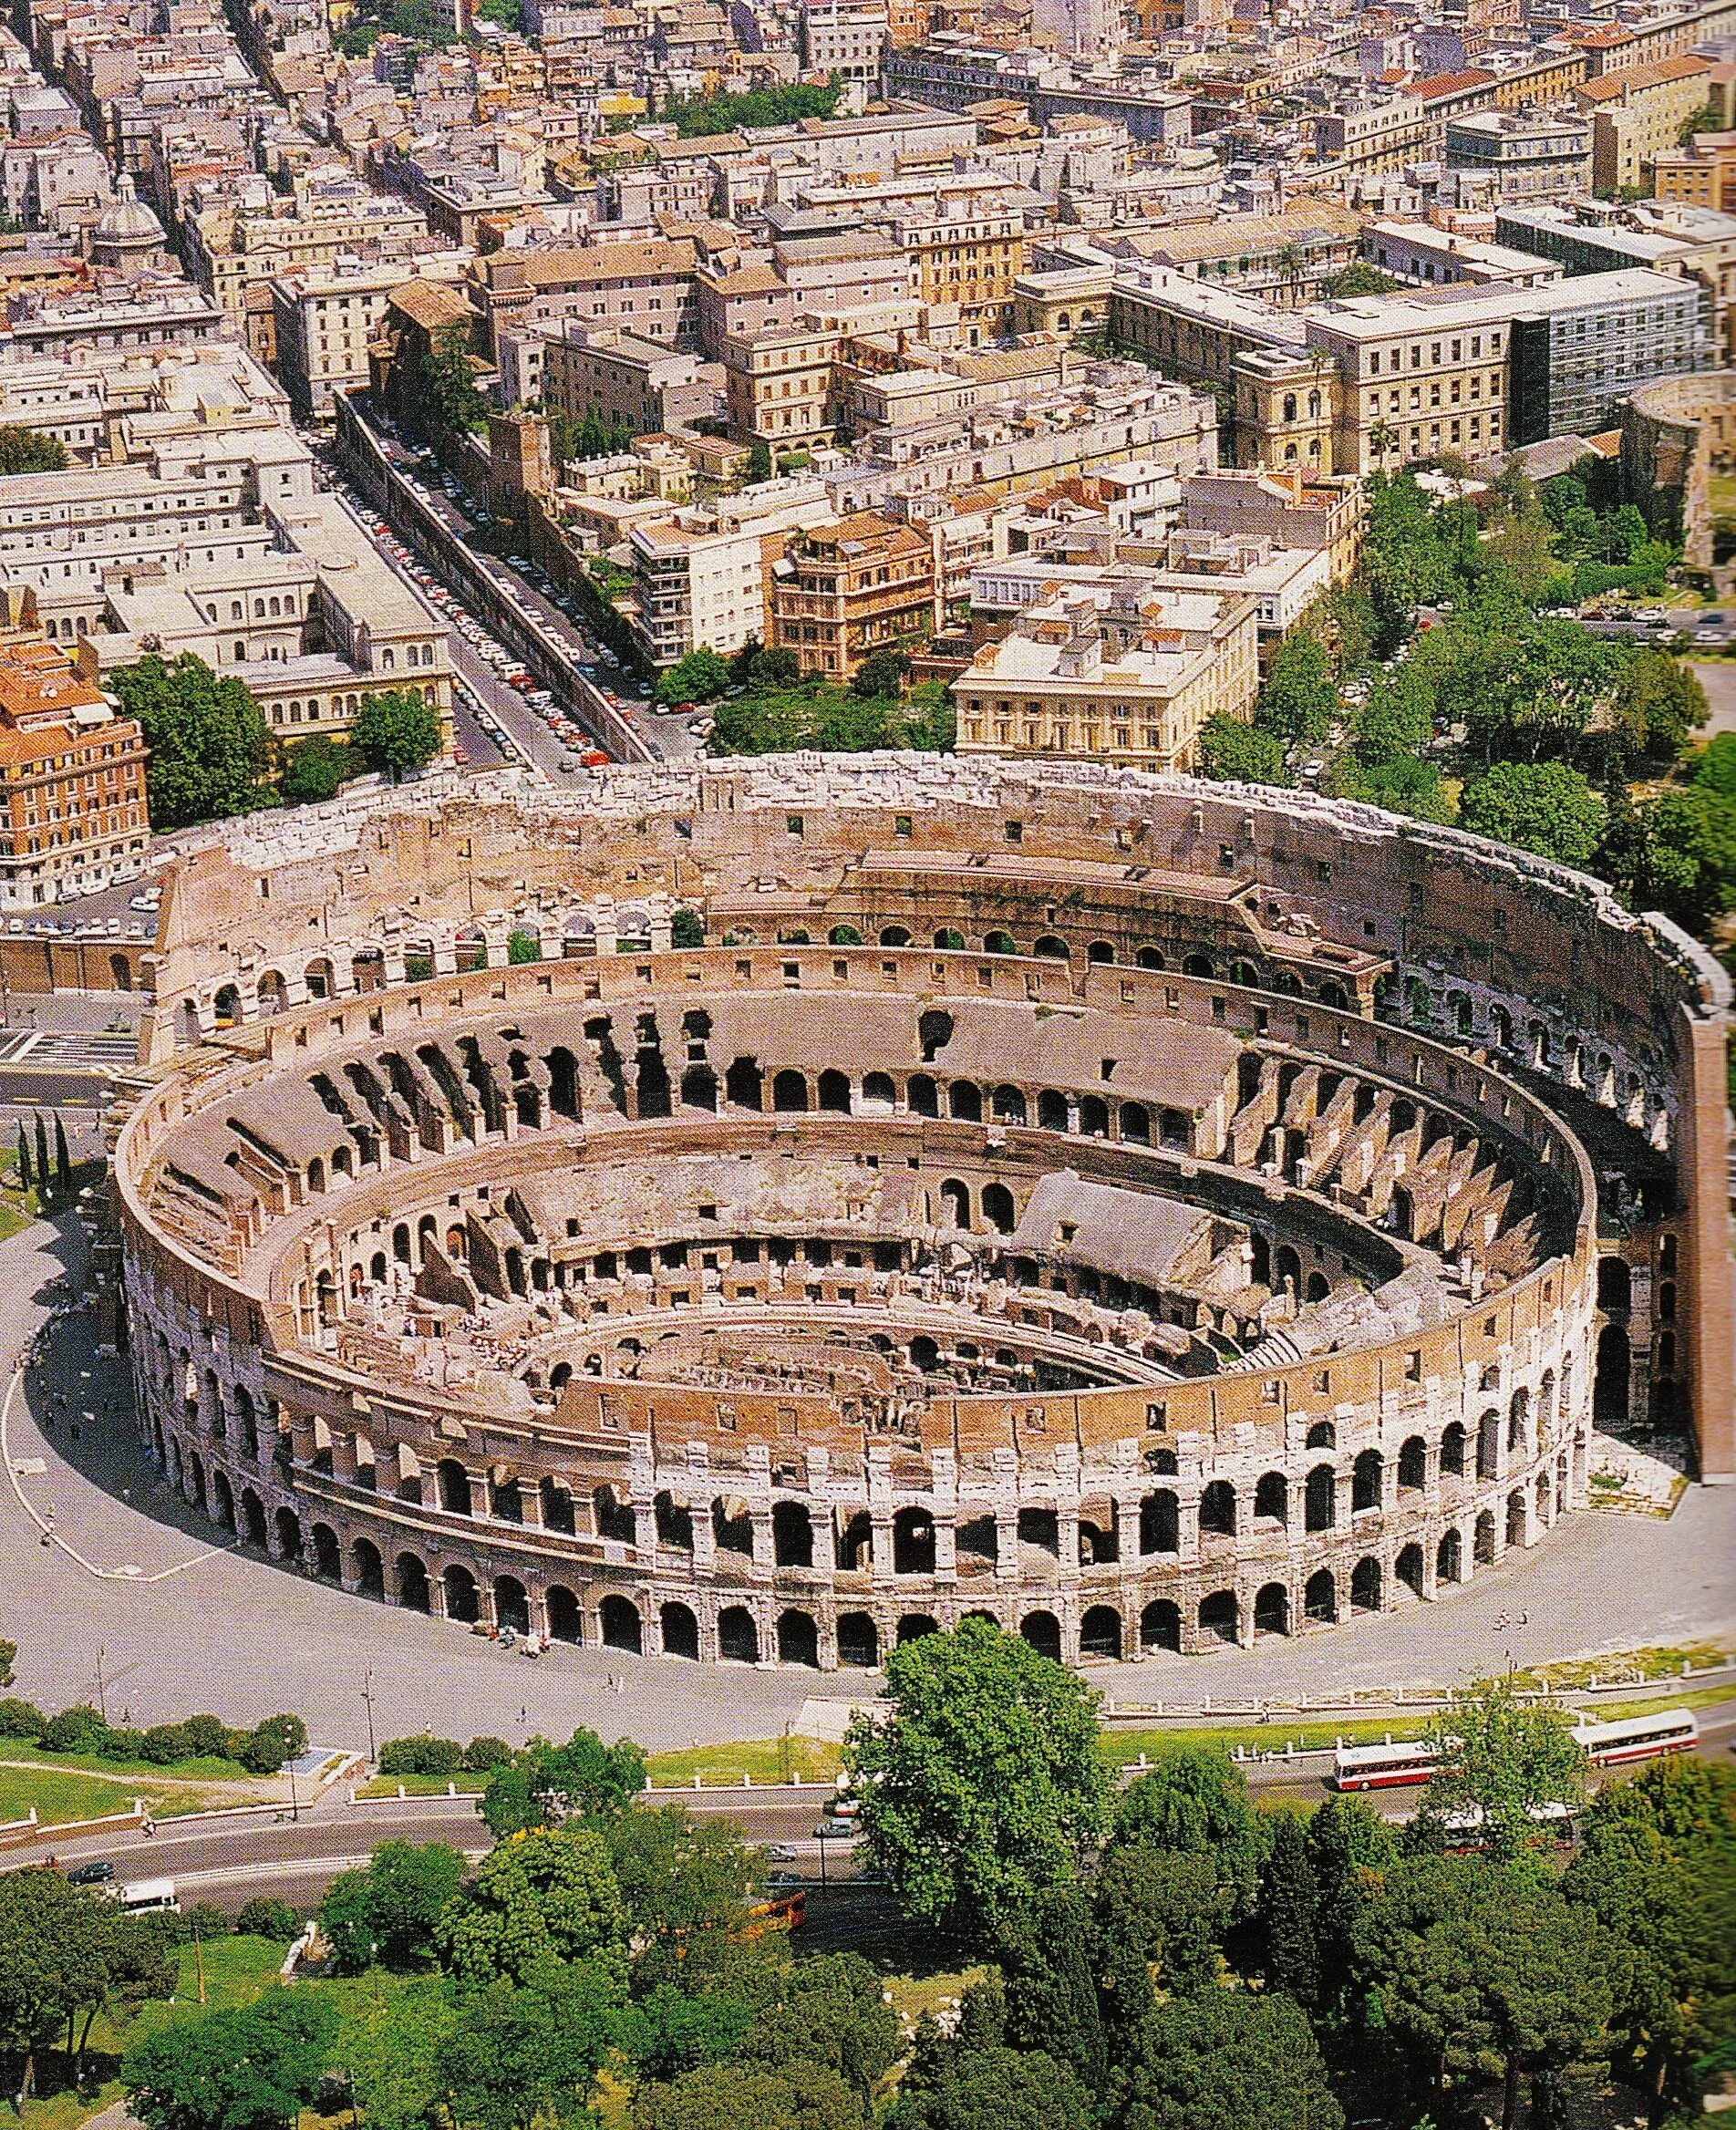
(128, 224)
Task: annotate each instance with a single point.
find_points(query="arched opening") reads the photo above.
(1148, 958)
(1160, 1523)
(1050, 947)
(618, 1619)
(1218, 1510)
(1320, 1507)
(454, 1483)
(1221, 1616)
(1161, 1626)
(955, 1200)
(1320, 1597)
(1365, 1480)
(1449, 1556)
(567, 1620)
(949, 940)
(287, 1526)
(1407, 1568)
(328, 1559)
(922, 1096)
(1271, 1499)
(679, 1630)
(1100, 951)
(834, 1092)
(790, 1093)
(858, 1641)
(1042, 1630)
(1516, 1519)
(894, 935)
(1614, 1284)
(913, 1626)
(119, 972)
(913, 1542)
(412, 1584)
(511, 1605)
(998, 1209)
(1323, 1435)
(223, 1495)
(461, 1601)
(1611, 1388)
(1488, 1444)
(1365, 1585)
(1008, 1104)
(1272, 1610)
(1453, 1450)
(737, 1636)
(964, 1101)
(998, 943)
(1099, 1633)
(1483, 1538)
(367, 1569)
(1413, 1463)
(792, 1535)
(877, 1088)
(798, 1640)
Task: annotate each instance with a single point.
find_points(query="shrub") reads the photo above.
(203, 1920)
(163, 1743)
(269, 1744)
(80, 1729)
(483, 1754)
(441, 1757)
(20, 1719)
(207, 1737)
(263, 1917)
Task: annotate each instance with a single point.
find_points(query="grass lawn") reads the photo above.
(420, 1785)
(211, 1768)
(767, 1759)
(59, 1796)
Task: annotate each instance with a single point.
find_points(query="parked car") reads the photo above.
(97, 1872)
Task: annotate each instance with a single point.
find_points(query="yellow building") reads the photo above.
(1638, 114)
(1702, 175)
(970, 257)
(778, 387)
(1127, 676)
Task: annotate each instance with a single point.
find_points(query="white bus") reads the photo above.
(1387, 1766)
(1614, 1745)
(149, 1897)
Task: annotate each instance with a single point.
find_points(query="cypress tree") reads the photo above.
(1289, 1912)
(1051, 1991)
(63, 1160)
(25, 1177)
(43, 1188)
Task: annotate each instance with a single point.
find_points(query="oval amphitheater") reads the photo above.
(766, 1210)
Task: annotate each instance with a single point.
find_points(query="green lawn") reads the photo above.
(210, 1768)
(420, 1785)
(767, 1759)
(60, 1795)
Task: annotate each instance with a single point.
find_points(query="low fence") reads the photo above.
(19, 1834)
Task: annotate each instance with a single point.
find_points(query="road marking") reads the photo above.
(52, 1538)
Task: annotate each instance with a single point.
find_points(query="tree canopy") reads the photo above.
(29, 450)
(209, 745)
(396, 730)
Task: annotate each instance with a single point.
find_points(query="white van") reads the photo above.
(149, 1897)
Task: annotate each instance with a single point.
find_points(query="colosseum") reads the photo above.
(766, 1210)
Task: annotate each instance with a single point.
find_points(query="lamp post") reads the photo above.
(102, 1697)
(368, 1702)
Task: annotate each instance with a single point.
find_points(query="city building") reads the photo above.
(72, 779)
(700, 576)
(841, 591)
(1524, 154)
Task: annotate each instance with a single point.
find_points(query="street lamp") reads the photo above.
(367, 1702)
(294, 1796)
(102, 1697)
(1506, 1622)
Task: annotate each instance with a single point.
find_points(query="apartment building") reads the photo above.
(1638, 113)
(1703, 174)
(72, 779)
(646, 288)
(1583, 347)
(324, 317)
(700, 576)
(969, 258)
(841, 592)
(1524, 154)
(626, 382)
(1417, 375)
(1126, 674)
(780, 387)
(844, 38)
(1292, 509)
(1284, 259)
(232, 252)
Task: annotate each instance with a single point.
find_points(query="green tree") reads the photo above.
(1358, 279)
(441, 392)
(686, 1882)
(1658, 703)
(44, 1186)
(983, 1783)
(830, 2010)
(996, 2089)
(208, 743)
(1162, 1909)
(668, 2032)
(759, 461)
(1675, 852)
(526, 2054)
(1544, 807)
(686, 928)
(700, 677)
(1351, 1848)
(314, 768)
(254, 2068)
(546, 1784)
(24, 1181)
(395, 731)
(1507, 1760)
(63, 1163)
(387, 2047)
(263, 1915)
(1289, 1913)
(387, 1910)
(1050, 1989)
(548, 1893)
(1299, 700)
(1227, 2060)
(523, 948)
(1241, 754)
(1196, 1802)
(29, 450)
(881, 674)
(745, 2096)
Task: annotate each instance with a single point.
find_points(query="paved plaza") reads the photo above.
(181, 1619)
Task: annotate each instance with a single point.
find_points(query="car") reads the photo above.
(97, 1872)
(569, 768)
(144, 902)
(595, 758)
(702, 728)
(847, 1810)
(830, 1830)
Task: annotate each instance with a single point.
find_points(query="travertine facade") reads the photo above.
(1144, 1212)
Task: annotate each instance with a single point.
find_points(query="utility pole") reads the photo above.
(102, 1697)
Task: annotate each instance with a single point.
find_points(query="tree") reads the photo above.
(1507, 1761)
(526, 2054)
(684, 1881)
(668, 2032)
(832, 2010)
(686, 928)
(25, 1176)
(65, 1953)
(315, 769)
(743, 2096)
(1658, 703)
(546, 1784)
(1289, 1913)
(387, 2047)
(759, 461)
(996, 2089)
(1351, 1849)
(264, 1916)
(1298, 701)
(1050, 1989)
(29, 450)
(387, 1910)
(700, 677)
(208, 743)
(547, 1893)
(1544, 807)
(1227, 2060)
(395, 731)
(440, 384)
(254, 2068)
(985, 1783)
(1196, 1802)
(1358, 279)
(44, 1188)
(271, 1743)
(1241, 754)
(881, 674)
(62, 1161)
(1156, 1909)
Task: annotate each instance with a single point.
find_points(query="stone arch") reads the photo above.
(1365, 1582)
(463, 1603)
(1320, 1499)
(618, 1623)
(511, 1604)
(1272, 1498)
(1483, 1542)
(913, 1626)
(998, 1209)
(327, 1556)
(454, 1485)
(287, 1527)
(798, 1640)
(789, 1092)
(1271, 1610)
(223, 1495)
(738, 1635)
(1449, 1556)
(858, 1640)
(1099, 1633)
(1161, 1522)
(1366, 1477)
(1218, 1510)
(1413, 1463)
(1042, 1630)
(1612, 1384)
(413, 1593)
(1161, 1625)
(1454, 1444)
(367, 1569)
(565, 1614)
(1220, 1616)
(955, 1198)
(1408, 1567)
(913, 1541)
(1320, 1597)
